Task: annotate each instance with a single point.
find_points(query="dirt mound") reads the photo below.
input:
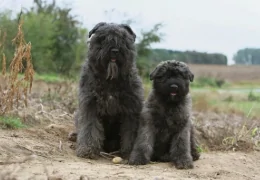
(219, 131)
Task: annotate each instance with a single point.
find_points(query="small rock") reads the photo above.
(117, 160)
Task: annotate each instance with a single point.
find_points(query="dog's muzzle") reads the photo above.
(112, 70)
(113, 54)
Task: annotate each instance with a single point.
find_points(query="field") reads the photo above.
(234, 73)
(34, 144)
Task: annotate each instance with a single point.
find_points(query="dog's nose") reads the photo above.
(174, 86)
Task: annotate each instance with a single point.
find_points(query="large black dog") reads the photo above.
(166, 132)
(110, 93)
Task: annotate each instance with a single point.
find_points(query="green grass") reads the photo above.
(50, 78)
(9, 122)
(200, 149)
(252, 109)
(208, 82)
(241, 103)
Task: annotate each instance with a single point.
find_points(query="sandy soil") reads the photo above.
(43, 151)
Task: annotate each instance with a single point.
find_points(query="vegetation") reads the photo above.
(9, 122)
(15, 88)
(247, 56)
(58, 38)
(208, 82)
(192, 57)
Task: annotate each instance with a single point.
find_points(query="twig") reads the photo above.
(60, 146)
(110, 156)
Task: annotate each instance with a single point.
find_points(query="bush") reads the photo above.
(253, 97)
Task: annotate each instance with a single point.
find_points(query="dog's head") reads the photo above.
(171, 80)
(111, 49)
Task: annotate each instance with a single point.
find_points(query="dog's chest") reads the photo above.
(109, 97)
(171, 121)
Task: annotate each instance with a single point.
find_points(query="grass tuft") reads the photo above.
(9, 122)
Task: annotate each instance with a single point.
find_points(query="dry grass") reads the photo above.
(16, 88)
(227, 121)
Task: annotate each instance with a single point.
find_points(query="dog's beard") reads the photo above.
(112, 70)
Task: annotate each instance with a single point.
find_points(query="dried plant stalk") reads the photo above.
(3, 65)
(17, 87)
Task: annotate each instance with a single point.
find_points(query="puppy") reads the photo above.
(166, 132)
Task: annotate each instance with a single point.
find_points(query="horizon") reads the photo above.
(203, 26)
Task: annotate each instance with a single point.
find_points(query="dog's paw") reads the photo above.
(195, 156)
(184, 163)
(124, 153)
(86, 152)
(72, 136)
(138, 160)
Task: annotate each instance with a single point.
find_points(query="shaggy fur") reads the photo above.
(166, 132)
(110, 93)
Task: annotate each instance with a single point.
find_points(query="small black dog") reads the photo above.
(110, 93)
(166, 131)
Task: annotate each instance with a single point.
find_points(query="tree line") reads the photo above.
(193, 57)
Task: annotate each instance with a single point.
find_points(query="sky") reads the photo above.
(222, 26)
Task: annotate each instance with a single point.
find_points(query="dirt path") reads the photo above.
(53, 153)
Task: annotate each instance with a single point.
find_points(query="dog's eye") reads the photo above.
(100, 39)
(160, 78)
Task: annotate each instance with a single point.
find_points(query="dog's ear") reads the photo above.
(129, 30)
(92, 31)
(157, 72)
(191, 76)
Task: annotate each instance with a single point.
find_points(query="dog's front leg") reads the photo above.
(90, 132)
(180, 151)
(194, 151)
(143, 147)
(128, 132)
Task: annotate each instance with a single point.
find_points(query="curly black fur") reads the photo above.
(166, 132)
(110, 93)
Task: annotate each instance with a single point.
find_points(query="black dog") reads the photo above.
(110, 93)
(166, 132)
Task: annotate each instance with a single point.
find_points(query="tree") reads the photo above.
(247, 56)
(38, 29)
(58, 39)
(8, 29)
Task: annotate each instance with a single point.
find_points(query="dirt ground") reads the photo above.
(54, 159)
(42, 151)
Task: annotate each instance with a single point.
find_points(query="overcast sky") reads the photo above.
(204, 25)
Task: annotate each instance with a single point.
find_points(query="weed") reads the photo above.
(243, 138)
(9, 122)
(253, 97)
(15, 88)
(200, 149)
